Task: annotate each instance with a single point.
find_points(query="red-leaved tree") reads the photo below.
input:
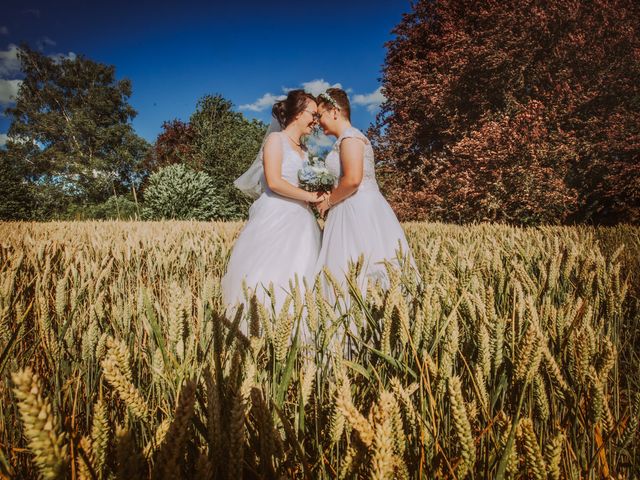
(175, 144)
(517, 111)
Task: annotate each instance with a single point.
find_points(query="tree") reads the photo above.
(16, 199)
(227, 143)
(177, 192)
(175, 144)
(216, 140)
(120, 207)
(71, 128)
(511, 111)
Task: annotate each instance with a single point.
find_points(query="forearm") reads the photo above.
(345, 189)
(285, 189)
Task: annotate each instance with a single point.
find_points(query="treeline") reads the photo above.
(517, 112)
(72, 152)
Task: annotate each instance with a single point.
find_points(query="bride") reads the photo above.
(359, 219)
(281, 238)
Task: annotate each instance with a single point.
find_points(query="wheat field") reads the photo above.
(512, 354)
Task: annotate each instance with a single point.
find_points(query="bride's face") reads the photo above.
(327, 118)
(307, 118)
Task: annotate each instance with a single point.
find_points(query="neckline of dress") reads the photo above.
(286, 141)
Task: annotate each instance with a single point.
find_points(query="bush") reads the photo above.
(177, 192)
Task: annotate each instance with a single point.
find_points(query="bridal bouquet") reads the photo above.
(314, 176)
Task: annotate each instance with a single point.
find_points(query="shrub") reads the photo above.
(177, 192)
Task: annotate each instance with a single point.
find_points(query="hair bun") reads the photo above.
(286, 110)
(279, 111)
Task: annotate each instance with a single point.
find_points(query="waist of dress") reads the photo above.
(367, 187)
(364, 193)
(270, 194)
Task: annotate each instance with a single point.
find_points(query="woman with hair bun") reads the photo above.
(281, 238)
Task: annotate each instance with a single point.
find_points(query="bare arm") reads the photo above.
(272, 158)
(352, 160)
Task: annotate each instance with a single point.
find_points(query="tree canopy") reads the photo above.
(523, 112)
(70, 131)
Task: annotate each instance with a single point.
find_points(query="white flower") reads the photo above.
(330, 99)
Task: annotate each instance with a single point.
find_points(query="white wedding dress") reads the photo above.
(363, 223)
(280, 240)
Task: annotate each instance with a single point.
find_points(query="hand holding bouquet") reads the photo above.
(315, 177)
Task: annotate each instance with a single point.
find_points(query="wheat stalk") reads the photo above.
(532, 453)
(168, 460)
(383, 460)
(41, 426)
(553, 455)
(353, 416)
(100, 434)
(461, 425)
(116, 370)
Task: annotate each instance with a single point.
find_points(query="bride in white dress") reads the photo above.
(281, 238)
(359, 219)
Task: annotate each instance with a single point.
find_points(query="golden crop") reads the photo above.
(511, 355)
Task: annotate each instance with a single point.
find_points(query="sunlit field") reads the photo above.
(512, 354)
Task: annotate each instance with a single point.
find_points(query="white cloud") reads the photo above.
(4, 138)
(264, 102)
(44, 42)
(316, 87)
(371, 100)
(317, 143)
(9, 63)
(4, 30)
(9, 91)
(59, 57)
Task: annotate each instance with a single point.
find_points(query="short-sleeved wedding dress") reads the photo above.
(363, 223)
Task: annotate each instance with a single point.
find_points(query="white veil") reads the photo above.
(250, 181)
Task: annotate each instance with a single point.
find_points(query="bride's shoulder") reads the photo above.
(353, 132)
(274, 135)
(272, 138)
(273, 143)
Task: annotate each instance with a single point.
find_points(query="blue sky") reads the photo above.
(176, 52)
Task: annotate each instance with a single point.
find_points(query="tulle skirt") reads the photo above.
(280, 241)
(364, 223)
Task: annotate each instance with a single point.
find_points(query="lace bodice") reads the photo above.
(335, 166)
(291, 163)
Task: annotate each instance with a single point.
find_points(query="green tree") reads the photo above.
(72, 132)
(178, 192)
(227, 143)
(16, 199)
(120, 207)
